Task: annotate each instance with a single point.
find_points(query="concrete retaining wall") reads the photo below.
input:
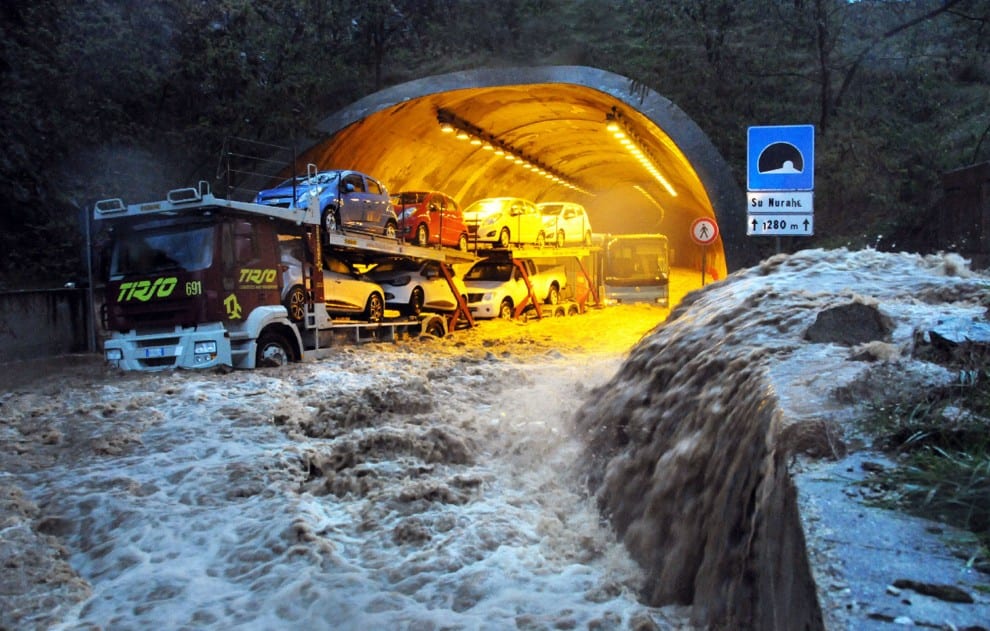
(43, 323)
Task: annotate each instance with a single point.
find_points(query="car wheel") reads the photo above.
(415, 302)
(573, 310)
(273, 351)
(541, 239)
(462, 243)
(504, 238)
(560, 239)
(330, 219)
(390, 230)
(374, 311)
(505, 309)
(422, 236)
(553, 297)
(295, 303)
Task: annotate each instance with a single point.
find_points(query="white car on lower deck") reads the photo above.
(413, 286)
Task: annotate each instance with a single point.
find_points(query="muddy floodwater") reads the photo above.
(426, 484)
(629, 468)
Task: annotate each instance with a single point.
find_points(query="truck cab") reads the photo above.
(198, 275)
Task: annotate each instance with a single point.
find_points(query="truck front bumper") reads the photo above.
(203, 346)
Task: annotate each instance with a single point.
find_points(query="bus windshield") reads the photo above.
(637, 261)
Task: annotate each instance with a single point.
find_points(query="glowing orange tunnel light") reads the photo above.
(623, 133)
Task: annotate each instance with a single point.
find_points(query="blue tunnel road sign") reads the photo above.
(781, 158)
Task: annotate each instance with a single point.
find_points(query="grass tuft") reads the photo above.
(941, 444)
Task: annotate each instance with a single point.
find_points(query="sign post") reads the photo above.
(704, 231)
(780, 178)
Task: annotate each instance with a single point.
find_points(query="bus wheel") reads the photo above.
(273, 351)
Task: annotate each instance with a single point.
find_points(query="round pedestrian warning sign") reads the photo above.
(704, 231)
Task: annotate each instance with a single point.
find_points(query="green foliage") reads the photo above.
(106, 97)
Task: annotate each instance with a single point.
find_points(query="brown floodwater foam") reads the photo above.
(685, 457)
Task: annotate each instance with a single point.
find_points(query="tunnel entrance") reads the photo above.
(560, 121)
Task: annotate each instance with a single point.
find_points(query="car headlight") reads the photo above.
(205, 348)
(114, 354)
(492, 219)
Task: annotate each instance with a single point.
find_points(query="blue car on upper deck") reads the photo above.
(348, 200)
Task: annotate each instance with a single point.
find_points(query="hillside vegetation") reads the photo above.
(116, 98)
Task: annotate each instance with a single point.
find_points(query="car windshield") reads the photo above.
(397, 265)
(323, 177)
(486, 206)
(407, 198)
(338, 266)
(551, 209)
(490, 271)
(161, 249)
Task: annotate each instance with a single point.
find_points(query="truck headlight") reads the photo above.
(205, 348)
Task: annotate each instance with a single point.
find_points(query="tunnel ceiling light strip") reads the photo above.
(652, 199)
(450, 123)
(622, 131)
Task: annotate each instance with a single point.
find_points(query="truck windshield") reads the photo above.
(637, 262)
(148, 251)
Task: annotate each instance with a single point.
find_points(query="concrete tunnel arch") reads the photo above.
(556, 115)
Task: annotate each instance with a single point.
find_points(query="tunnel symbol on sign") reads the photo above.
(781, 157)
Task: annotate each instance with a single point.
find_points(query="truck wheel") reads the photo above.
(560, 239)
(505, 309)
(295, 303)
(415, 302)
(434, 327)
(390, 230)
(553, 297)
(462, 243)
(504, 238)
(374, 311)
(273, 351)
(422, 236)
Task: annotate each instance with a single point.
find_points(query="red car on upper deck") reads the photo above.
(430, 218)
